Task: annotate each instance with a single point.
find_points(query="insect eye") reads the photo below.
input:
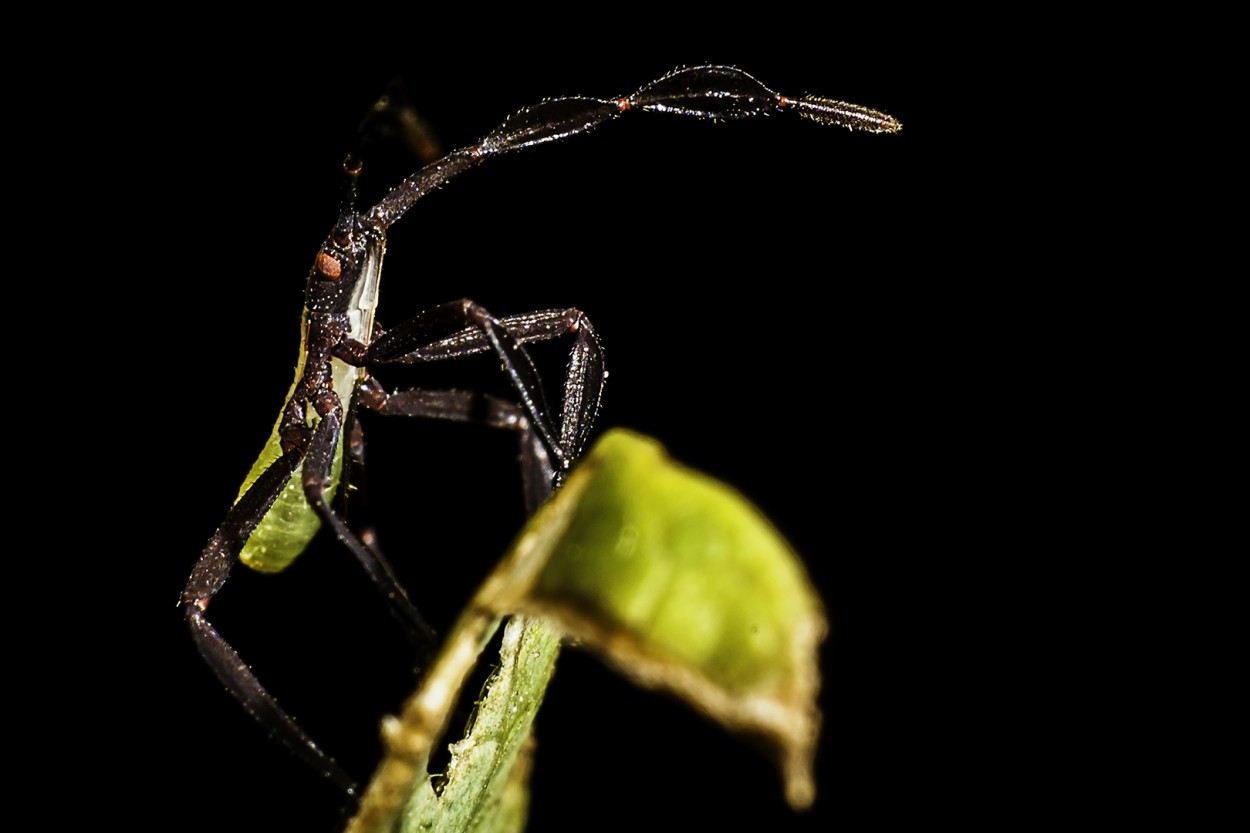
(327, 267)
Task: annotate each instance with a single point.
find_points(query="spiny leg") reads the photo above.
(440, 334)
(207, 577)
(463, 328)
(537, 474)
(584, 377)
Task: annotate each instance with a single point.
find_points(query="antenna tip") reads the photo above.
(844, 114)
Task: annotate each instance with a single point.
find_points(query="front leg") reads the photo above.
(463, 328)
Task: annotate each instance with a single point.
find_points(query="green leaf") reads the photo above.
(485, 788)
(683, 585)
(673, 578)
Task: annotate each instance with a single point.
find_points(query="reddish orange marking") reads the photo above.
(623, 104)
(328, 267)
(782, 101)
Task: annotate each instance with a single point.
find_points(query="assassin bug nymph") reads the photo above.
(288, 493)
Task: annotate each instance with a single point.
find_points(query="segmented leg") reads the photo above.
(207, 577)
(537, 475)
(463, 328)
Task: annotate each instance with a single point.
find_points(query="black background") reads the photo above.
(767, 298)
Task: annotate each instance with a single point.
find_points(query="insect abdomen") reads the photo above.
(285, 530)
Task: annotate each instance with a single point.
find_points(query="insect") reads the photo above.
(316, 442)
